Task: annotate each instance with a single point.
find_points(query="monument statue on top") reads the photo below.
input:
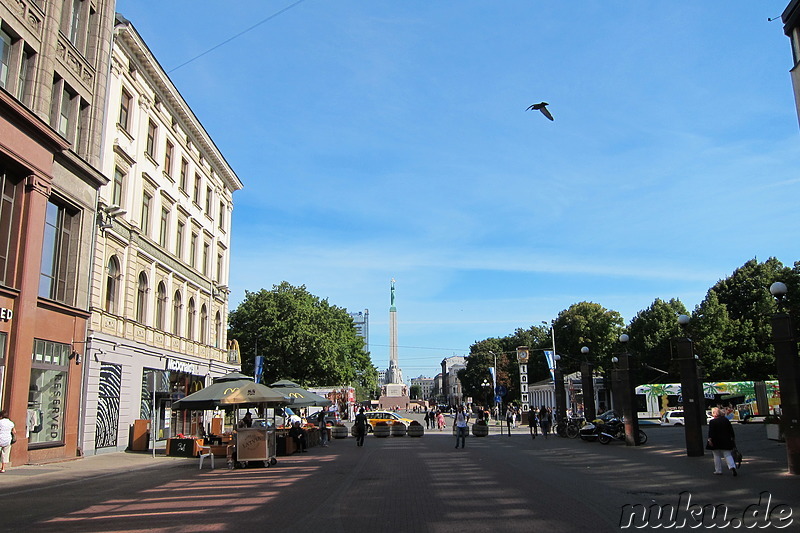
(394, 393)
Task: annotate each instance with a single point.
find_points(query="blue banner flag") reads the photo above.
(551, 363)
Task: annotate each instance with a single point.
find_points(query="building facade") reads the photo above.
(361, 322)
(451, 385)
(426, 387)
(54, 60)
(159, 310)
(791, 27)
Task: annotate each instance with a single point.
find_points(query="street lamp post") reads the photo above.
(616, 385)
(558, 389)
(783, 337)
(587, 385)
(486, 390)
(693, 412)
(628, 395)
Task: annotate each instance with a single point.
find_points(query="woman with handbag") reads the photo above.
(721, 440)
(8, 435)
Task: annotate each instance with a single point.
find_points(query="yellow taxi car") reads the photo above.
(373, 417)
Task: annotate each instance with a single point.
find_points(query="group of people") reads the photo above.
(541, 419)
(434, 419)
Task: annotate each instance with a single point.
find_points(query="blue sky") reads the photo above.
(390, 139)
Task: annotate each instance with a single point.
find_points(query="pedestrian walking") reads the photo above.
(460, 423)
(545, 420)
(8, 435)
(721, 441)
(440, 420)
(533, 423)
(360, 425)
(509, 418)
(323, 427)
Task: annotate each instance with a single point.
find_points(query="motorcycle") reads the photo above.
(614, 429)
(591, 430)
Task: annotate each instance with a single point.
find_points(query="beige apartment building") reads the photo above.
(159, 303)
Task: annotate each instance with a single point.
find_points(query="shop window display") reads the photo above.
(47, 393)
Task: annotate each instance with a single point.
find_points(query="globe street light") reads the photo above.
(783, 337)
(587, 385)
(691, 391)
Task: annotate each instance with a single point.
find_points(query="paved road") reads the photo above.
(500, 484)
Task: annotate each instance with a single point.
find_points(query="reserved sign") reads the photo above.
(6, 314)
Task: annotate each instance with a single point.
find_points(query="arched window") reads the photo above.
(141, 298)
(161, 307)
(190, 316)
(112, 285)
(177, 303)
(217, 330)
(203, 324)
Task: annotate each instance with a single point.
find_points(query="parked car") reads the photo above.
(373, 417)
(672, 418)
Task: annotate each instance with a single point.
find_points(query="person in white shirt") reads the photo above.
(7, 431)
(460, 423)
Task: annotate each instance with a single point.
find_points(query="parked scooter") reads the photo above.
(591, 430)
(614, 429)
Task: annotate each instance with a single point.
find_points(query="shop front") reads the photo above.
(131, 389)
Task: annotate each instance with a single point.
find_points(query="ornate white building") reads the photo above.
(159, 290)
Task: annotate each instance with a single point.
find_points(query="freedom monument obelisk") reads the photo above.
(394, 392)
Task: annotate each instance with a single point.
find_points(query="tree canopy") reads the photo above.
(301, 337)
(730, 329)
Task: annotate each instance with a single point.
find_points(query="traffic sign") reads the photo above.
(500, 390)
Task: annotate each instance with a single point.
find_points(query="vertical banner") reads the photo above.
(551, 363)
(259, 366)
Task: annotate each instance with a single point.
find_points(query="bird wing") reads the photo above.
(545, 112)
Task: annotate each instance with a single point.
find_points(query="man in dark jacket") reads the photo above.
(721, 440)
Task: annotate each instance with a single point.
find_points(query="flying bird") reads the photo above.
(541, 106)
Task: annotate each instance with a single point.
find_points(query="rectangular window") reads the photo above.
(8, 203)
(219, 266)
(179, 239)
(193, 250)
(152, 130)
(168, 152)
(47, 394)
(75, 21)
(162, 233)
(5, 58)
(25, 75)
(65, 113)
(125, 111)
(184, 173)
(116, 187)
(221, 222)
(59, 254)
(147, 201)
(209, 200)
(197, 188)
(206, 248)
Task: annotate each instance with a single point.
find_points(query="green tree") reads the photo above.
(651, 332)
(591, 325)
(415, 392)
(302, 338)
(731, 325)
(482, 357)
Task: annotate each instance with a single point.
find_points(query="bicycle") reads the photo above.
(570, 428)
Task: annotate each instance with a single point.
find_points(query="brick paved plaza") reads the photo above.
(398, 484)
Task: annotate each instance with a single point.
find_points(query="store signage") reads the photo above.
(181, 366)
(6, 314)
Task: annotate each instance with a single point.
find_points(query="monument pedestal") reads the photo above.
(394, 395)
(392, 402)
